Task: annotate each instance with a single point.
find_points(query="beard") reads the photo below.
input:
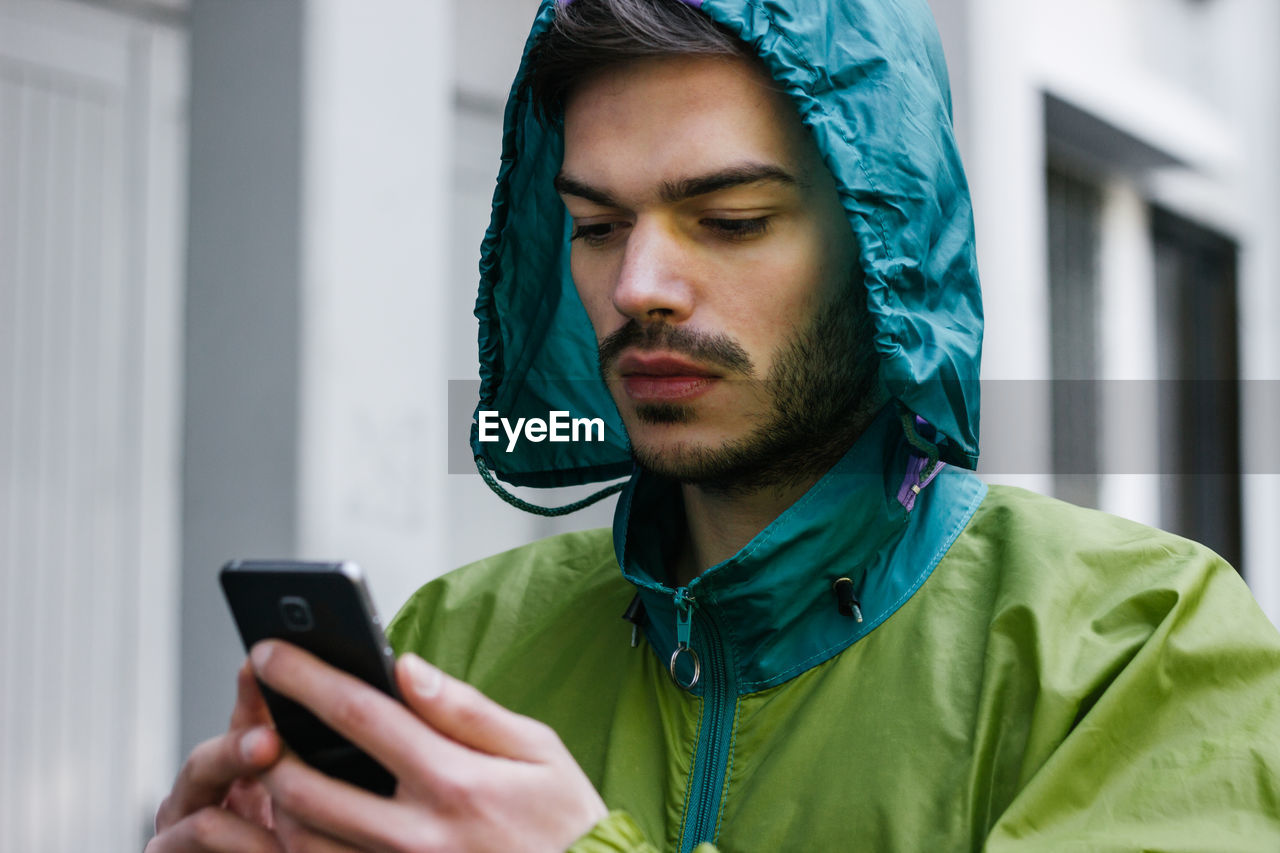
(822, 391)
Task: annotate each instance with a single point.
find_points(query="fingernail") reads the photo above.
(261, 654)
(251, 742)
(425, 678)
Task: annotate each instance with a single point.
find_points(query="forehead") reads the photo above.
(635, 125)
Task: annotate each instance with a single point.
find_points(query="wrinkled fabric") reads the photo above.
(869, 81)
(1064, 680)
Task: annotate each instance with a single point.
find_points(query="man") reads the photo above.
(838, 639)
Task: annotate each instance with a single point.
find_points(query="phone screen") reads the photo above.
(323, 608)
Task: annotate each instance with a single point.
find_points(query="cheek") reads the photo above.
(775, 294)
(594, 296)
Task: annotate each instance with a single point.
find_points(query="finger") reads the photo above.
(250, 800)
(331, 814)
(250, 708)
(214, 830)
(213, 766)
(296, 836)
(464, 714)
(384, 728)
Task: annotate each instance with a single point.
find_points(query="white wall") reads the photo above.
(1005, 160)
(92, 134)
(377, 156)
(1245, 51)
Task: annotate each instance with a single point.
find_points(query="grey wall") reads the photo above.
(243, 317)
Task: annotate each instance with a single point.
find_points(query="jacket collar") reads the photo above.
(772, 604)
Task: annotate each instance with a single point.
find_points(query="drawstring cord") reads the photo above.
(910, 421)
(547, 511)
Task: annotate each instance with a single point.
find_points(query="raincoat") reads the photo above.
(905, 659)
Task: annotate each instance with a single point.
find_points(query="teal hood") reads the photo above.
(869, 80)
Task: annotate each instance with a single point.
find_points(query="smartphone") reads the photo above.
(324, 608)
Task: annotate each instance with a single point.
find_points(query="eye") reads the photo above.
(738, 229)
(596, 234)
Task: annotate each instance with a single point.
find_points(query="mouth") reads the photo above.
(663, 378)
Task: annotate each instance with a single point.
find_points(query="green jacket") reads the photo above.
(1060, 680)
(1002, 671)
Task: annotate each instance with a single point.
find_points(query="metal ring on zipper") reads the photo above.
(697, 667)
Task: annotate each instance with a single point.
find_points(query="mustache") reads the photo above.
(711, 349)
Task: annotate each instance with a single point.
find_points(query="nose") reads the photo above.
(653, 281)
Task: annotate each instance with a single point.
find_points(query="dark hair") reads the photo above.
(587, 36)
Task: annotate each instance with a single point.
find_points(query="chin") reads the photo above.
(683, 461)
(671, 447)
(687, 454)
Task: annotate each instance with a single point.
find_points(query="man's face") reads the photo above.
(715, 261)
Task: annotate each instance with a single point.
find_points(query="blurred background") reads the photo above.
(238, 247)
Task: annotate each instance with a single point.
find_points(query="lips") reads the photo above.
(653, 377)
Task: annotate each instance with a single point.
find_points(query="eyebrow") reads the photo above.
(685, 188)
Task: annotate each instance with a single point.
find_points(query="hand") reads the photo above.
(472, 775)
(217, 805)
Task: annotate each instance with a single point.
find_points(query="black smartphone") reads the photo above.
(324, 608)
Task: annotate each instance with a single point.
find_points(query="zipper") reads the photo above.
(684, 632)
(920, 473)
(712, 749)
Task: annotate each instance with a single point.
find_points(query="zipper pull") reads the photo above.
(684, 630)
(684, 618)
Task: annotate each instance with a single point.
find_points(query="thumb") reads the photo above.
(250, 708)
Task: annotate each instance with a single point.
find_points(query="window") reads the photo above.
(1200, 395)
(1074, 219)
